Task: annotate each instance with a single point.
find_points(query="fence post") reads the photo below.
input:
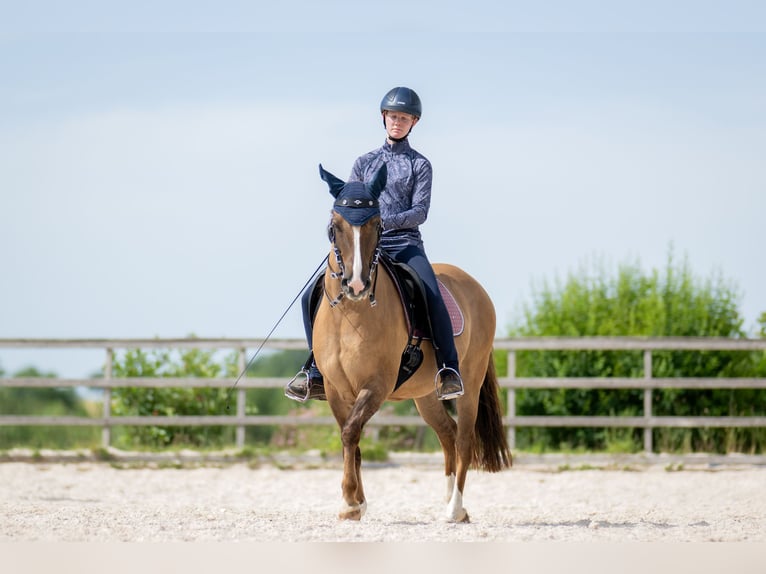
(106, 430)
(648, 446)
(511, 400)
(241, 398)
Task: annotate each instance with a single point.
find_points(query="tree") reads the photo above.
(670, 303)
(49, 401)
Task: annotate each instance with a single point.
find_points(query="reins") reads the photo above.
(311, 279)
(333, 302)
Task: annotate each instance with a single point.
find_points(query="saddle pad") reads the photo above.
(455, 314)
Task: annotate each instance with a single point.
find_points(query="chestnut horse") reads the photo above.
(360, 331)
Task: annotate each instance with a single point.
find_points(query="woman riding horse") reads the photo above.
(404, 204)
(360, 330)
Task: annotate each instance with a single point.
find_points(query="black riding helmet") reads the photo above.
(401, 99)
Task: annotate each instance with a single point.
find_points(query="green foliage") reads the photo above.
(672, 303)
(272, 401)
(43, 402)
(278, 364)
(137, 401)
(593, 303)
(201, 401)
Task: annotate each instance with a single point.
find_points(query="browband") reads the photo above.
(356, 202)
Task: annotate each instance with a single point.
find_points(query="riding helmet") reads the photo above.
(402, 99)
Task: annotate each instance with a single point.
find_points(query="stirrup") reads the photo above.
(453, 394)
(291, 394)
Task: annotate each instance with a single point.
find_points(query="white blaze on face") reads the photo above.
(356, 283)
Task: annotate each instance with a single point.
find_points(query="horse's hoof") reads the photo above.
(353, 512)
(460, 518)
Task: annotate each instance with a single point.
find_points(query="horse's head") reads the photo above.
(355, 231)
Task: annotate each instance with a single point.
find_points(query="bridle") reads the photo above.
(341, 273)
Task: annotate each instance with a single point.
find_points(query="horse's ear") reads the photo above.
(378, 182)
(336, 184)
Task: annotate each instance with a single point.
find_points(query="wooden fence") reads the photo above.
(240, 420)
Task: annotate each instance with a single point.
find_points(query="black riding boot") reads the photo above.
(307, 384)
(449, 385)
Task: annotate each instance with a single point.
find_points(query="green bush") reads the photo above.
(672, 303)
(199, 401)
(137, 401)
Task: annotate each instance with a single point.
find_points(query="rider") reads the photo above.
(404, 205)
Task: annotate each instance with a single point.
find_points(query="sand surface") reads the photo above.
(97, 502)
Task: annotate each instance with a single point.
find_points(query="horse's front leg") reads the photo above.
(354, 502)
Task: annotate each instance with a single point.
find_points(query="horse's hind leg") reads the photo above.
(434, 413)
(465, 450)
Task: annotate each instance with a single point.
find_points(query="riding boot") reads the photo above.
(449, 385)
(307, 384)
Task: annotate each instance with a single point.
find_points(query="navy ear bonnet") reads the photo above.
(355, 201)
(355, 204)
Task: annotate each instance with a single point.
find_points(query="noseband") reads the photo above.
(340, 274)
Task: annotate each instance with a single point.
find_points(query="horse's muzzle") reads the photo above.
(355, 290)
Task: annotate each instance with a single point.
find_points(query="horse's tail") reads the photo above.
(491, 452)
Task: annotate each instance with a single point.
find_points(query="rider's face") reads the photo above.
(398, 124)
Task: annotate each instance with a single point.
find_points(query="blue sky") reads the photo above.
(158, 161)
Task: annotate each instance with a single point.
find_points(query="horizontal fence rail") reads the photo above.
(511, 382)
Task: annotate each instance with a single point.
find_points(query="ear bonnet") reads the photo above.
(355, 201)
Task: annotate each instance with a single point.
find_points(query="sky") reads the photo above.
(158, 160)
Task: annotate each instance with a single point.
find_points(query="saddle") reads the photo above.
(413, 298)
(415, 305)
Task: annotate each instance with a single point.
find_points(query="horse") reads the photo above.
(359, 332)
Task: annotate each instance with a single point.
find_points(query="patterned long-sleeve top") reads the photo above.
(405, 201)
